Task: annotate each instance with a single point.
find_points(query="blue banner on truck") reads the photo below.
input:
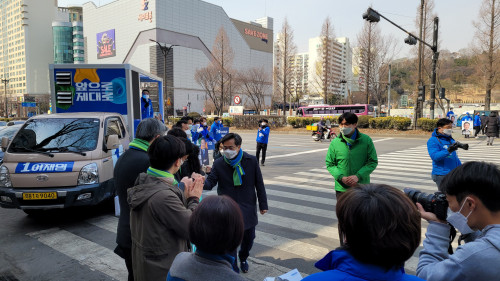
(48, 167)
(90, 90)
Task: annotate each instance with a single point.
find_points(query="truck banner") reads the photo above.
(90, 90)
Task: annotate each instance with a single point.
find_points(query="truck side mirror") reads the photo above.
(5, 143)
(112, 142)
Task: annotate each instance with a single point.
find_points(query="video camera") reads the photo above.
(456, 145)
(435, 203)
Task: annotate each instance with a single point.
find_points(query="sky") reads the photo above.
(306, 17)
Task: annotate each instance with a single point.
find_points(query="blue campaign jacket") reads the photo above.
(477, 121)
(147, 112)
(215, 130)
(442, 161)
(340, 265)
(263, 135)
(202, 135)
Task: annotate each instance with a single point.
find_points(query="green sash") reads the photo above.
(139, 144)
(161, 174)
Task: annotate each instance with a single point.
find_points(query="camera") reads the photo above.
(435, 203)
(464, 146)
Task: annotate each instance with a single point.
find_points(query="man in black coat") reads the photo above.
(128, 167)
(239, 177)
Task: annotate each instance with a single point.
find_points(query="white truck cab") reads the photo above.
(62, 160)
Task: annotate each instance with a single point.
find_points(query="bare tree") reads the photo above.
(285, 49)
(374, 54)
(255, 84)
(487, 45)
(216, 78)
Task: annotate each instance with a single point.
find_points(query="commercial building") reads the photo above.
(110, 32)
(26, 47)
(67, 30)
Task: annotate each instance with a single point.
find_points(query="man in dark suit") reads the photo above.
(239, 177)
(128, 167)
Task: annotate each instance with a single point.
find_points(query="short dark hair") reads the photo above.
(145, 90)
(187, 118)
(380, 223)
(188, 145)
(443, 122)
(180, 123)
(216, 118)
(481, 179)
(196, 121)
(493, 114)
(349, 117)
(230, 136)
(216, 225)
(149, 128)
(164, 151)
(177, 132)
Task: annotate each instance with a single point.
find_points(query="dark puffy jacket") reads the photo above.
(492, 126)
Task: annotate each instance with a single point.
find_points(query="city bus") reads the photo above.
(334, 110)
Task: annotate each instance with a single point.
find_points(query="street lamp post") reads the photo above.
(5, 82)
(373, 16)
(165, 50)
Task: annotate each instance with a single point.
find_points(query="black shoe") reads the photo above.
(244, 266)
(235, 267)
(262, 164)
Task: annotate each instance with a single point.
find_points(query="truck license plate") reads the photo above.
(40, 196)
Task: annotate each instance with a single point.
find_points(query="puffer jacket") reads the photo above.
(442, 161)
(159, 219)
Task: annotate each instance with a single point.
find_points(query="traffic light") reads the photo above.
(410, 40)
(371, 15)
(442, 92)
(421, 93)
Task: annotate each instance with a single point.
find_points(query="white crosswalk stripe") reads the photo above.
(309, 193)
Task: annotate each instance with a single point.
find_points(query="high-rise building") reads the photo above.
(340, 64)
(67, 30)
(300, 77)
(26, 47)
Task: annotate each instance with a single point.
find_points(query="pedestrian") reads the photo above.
(184, 125)
(215, 128)
(450, 113)
(491, 127)
(160, 211)
(473, 194)
(238, 176)
(352, 157)
(217, 151)
(183, 170)
(262, 139)
(146, 105)
(216, 229)
(442, 151)
(128, 167)
(380, 227)
(483, 123)
(477, 125)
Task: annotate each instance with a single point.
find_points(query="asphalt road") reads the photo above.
(299, 229)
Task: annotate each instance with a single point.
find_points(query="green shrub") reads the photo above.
(400, 123)
(195, 115)
(427, 124)
(302, 122)
(380, 122)
(227, 121)
(363, 121)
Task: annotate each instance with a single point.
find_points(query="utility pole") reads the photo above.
(367, 84)
(389, 94)
(5, 82)
(165, 50)
(419, 104)
(435, 57)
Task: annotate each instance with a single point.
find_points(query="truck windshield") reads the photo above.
(57, 135)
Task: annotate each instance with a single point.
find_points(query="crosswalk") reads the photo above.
(301, 225)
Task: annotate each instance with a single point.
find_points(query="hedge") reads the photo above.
(252, 121)
(427, 124)
(302, 122)
(364, 121)
(398, 123)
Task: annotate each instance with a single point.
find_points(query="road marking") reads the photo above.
(303, 209)
(328, 189)
(84, 251)
(301, 179)
(312, 151)
(300, 225)
(297, 196)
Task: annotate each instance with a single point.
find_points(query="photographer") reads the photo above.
(442, 150)
(473, 194)
(262, 140)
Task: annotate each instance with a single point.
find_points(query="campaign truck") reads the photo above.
(67, 159)
(113, 88)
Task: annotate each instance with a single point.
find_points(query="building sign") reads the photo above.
(91, 90)
(258, 34)
(146, 15)
(106, 44)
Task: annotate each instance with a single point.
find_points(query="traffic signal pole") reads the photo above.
(434, 65)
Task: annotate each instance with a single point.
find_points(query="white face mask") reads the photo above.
(229, 154)
(204, 123)
(264, 124)
(447, 132)
(459, 221)
(346, 131)
(146, 96)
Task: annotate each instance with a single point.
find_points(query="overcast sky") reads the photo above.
(306, 17)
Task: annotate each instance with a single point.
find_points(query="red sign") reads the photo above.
(256, 33)
(237, 100)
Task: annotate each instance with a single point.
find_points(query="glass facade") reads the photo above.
(63, 44)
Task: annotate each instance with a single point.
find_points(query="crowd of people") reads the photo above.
(168, 231)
